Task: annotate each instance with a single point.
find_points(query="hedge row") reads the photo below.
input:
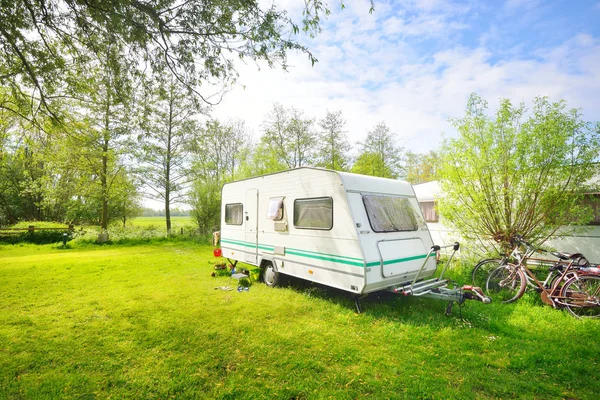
(36, 237)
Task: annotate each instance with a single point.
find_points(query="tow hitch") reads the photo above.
(437, 288)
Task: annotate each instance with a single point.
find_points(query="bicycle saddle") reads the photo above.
(578, 257)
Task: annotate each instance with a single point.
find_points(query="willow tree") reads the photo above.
(518, 172)
(45, 44)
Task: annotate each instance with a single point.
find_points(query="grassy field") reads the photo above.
(160, 221)
(147, 322)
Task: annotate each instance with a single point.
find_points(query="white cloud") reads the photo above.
(372, 78)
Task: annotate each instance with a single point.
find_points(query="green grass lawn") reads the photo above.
(147, 322)
(161, 222)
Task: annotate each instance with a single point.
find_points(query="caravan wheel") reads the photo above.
(270, 275)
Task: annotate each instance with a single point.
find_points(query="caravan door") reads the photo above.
(251, 224)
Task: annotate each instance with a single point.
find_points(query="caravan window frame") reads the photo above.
(241, 214)
(298, 202)
(374, 215)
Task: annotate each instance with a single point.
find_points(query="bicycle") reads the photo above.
(580, 293)
(484, 268)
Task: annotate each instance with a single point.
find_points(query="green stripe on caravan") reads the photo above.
(247, 244)
(302, 253)
(397, 260)
(324, 256)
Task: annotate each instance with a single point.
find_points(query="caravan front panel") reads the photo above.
(400, 256)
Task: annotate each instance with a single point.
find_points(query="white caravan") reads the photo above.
(353, 232)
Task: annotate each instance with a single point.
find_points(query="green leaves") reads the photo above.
(47, 44)
(289, 136)
(380, 154)
(333, 146)
(518, 171)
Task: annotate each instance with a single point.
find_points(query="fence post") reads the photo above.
(31, 228)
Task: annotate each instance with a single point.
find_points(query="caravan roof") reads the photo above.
(363, 183)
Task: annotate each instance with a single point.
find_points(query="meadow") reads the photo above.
(148, 321)
(176, 221)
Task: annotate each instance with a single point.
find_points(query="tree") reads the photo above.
(107, 99)
(25, 153)
(518, 172)
(261, 159)
(46, 43)
(169, 130)
(205, 199)
(85, 205)
(333, 145)
(302, 140)
(290, 136)
(421, 168)
(216, 150)
(380, 155)
(126, 197)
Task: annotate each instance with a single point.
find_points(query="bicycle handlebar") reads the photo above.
(519, 239)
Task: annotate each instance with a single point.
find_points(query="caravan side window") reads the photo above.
(390, 213)
(275, 210)
(314, 213)
(233, 214)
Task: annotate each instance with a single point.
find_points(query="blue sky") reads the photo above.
(413, 64)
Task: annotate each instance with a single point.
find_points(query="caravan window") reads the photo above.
(275, 210)
(233, 214)
(314, 213)
(390, 213)
(429, 212)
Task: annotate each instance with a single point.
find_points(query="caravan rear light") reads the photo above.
(217, 252)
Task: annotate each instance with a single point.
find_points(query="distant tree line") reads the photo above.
(98, 167)
(290, 139)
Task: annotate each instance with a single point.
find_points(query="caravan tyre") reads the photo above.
(270, 275)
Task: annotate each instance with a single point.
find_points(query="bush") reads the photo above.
(36, 237)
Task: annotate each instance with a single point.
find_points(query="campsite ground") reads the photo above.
(146, 321)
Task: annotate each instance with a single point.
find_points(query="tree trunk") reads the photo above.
(168, 166)
(168, 215)
(104, 172)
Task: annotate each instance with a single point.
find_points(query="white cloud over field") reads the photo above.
(415, 66)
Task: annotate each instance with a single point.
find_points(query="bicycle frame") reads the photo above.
(550, 295)
(523, 258)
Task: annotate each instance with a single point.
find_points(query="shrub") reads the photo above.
(36, 237)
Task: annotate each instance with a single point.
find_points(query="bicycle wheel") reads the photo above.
(557, 282)
(506, 283)
(483, 269)
(581, 296)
